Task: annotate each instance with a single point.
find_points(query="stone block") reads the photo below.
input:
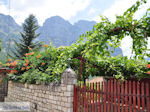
(64, 109)
(64, 99)
(51, 97)
(64, 88)
(70, 110)
(69, 87)
(70, 99)
(68, 93)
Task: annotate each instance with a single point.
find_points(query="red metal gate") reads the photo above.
(112, 96)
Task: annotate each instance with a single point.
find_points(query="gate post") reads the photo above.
(69, 79)
(74, 99)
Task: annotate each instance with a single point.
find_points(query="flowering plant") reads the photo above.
(34, 63)
(148, 67)
(0, 81)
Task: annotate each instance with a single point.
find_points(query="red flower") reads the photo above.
(148, 72)
(27, 62)
(38, 56)
(15, 71)
(23, 68)
(13, 63)
(43, 63)
(45, 45)
(26, 54)
(12, 72)
(29, 48)
(9, 60)
(148, 66)
(31, 53)
(27, 68)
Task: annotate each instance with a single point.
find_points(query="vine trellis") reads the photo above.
(107, 33)
(95, 43)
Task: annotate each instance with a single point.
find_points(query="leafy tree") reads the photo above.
(27, 38)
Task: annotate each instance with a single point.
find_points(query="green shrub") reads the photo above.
(120, 67)
(47, 66)
(33, 68)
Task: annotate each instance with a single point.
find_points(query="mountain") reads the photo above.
(55, 29)
(9, 29)
(61, 32)
(82, 26)
(117, 51)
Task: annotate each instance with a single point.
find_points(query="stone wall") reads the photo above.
(3, 86)
(55, 97)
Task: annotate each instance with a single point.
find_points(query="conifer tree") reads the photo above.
(27, 38)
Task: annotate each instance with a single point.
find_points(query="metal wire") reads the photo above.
(9, 40)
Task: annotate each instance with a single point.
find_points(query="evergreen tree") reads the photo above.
(27, 38)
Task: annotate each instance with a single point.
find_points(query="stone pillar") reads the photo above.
(69, 78)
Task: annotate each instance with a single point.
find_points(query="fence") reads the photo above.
(112, 96)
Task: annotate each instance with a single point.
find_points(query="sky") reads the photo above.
(71, 10)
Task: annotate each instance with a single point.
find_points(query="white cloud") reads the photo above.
(92, 10)
(97, 19)
(3, 8)
(126, 45)
(20, 9)
(118, 8)
(142, 10)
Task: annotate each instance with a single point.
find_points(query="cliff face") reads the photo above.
(61, 32)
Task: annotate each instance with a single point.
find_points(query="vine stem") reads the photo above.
(80, 73)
